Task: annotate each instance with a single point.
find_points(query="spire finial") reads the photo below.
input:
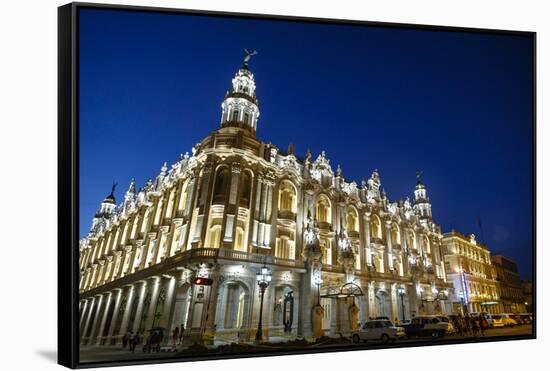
(248, 55)
(113, 189)
(418, 176)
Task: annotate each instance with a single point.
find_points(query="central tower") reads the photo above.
(240, 105)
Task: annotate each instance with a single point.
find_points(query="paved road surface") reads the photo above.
(98, 354)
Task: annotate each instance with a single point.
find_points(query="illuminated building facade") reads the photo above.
(468, 267)
(339, 252)
(511, 290)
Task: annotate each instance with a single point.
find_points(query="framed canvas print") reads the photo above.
(236, 185)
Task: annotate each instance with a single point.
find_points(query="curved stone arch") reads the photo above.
(326, 213)
(395, 233)
(411, 239)
(280, 184)
(276, 321)
(351, 211)
(382, 299)
(426, 246)
(220, 190)
(233, 306)
(375, 226)
(246, 186)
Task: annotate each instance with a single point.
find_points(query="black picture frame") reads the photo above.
(68, 181)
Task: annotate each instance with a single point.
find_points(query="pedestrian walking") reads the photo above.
(484, 325)
(134, 342)
(181, 334)
(475, 326)
(126, 339)
(175, 337)
(467, 324)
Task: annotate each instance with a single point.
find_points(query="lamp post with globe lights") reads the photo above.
(401, 293)
(263, 278)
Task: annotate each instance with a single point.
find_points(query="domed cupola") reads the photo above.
(240, 105)
(107, 207)
(422, 203)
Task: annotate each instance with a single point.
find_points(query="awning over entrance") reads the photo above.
(345, 291)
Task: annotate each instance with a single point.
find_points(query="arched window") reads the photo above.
(239, 239)
(426, 245)
(323, 209)
(246, 117)
(221, 185)
(352, 220)
(214, 236)
(411, 240)
(375, 227)
(395, 235)
(284, 248)
(287, 197)
(326, 249)
(245, 189)
(235, 115)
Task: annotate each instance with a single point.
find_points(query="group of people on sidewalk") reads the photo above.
(130, 340)
(471, 325)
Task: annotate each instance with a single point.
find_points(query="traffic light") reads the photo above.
(203, 281)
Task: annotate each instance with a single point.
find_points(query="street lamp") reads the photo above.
(263, 277)
(401, 293)
(318, 281)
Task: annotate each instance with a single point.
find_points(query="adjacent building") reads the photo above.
(468, 266)
(338, 251)
(511, 291)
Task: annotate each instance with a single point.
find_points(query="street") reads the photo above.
(99, 354)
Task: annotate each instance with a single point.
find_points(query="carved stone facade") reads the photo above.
(236, 204)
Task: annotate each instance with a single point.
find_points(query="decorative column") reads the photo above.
(257, 214)
(130, 293)
(389, 247)
(368, 249)
(116, 313)
(203, 206)
(139, 311)
(153, 306)
(169, 289)
(210, 321)
(232, 208)
(96, 319)
(89, 319)
(268, 213)
(104, 316)
(312, 324)
(83, 316)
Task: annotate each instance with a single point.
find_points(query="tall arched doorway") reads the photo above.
(181, 306)
(232, 312)
(383, 304)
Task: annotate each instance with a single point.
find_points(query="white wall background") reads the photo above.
(28, 155)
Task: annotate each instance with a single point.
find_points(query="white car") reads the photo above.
(378, 330)
(496, 321)
(507, 320)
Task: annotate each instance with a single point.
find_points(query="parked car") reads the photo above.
(516, 317)
(526, 317)
(427, 326)
(404, 323)
(508, 320)
(496, 321)
(377, 330)
(450, 326)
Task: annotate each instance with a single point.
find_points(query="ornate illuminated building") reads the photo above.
(468, 266)
(339, 252)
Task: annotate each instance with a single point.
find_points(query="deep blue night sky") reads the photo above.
(455, 105)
